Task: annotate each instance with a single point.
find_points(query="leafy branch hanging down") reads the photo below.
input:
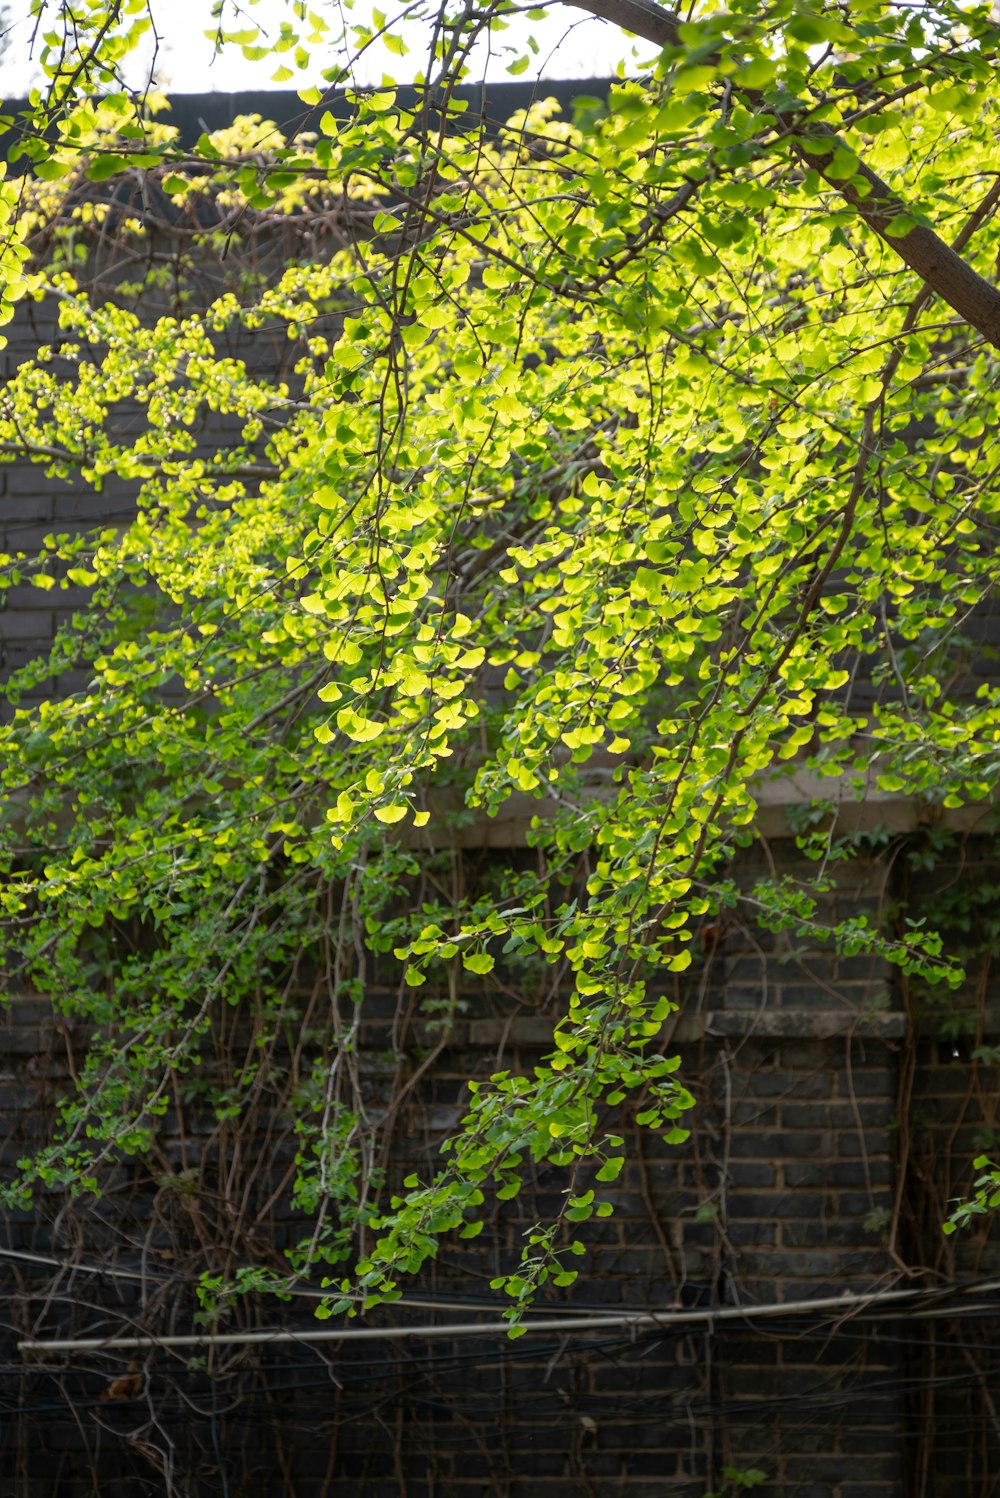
(621, 463)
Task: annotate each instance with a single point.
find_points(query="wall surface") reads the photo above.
(836, 1116)
(791, 1188)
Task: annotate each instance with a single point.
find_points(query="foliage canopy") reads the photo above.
(627, 459)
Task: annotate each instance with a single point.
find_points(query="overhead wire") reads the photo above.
(981, 1284)
(310, 1292)
(866, 1401)
(844, 1304)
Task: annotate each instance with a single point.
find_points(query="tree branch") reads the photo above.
(39, 452)
(944, 271)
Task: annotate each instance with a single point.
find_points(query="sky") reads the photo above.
(570, 45)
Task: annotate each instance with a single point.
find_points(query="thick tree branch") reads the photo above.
(940, 267)
(654, 23)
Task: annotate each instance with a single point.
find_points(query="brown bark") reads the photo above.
(944, 271)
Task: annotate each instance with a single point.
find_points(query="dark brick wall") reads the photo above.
(765, 1204)
(787, 1190)
(833, 1124)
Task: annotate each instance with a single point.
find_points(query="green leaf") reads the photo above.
(362, 730)
(105, 166)
(477, 962)
(395, 812)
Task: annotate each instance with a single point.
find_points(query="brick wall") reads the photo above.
(783, 1193)
(833, 1123)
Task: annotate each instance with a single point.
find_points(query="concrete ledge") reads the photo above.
(808, 1024)
(854, 803)
(779, 1024)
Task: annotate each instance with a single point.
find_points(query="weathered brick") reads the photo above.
(832, 1174)
(744, 1173)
